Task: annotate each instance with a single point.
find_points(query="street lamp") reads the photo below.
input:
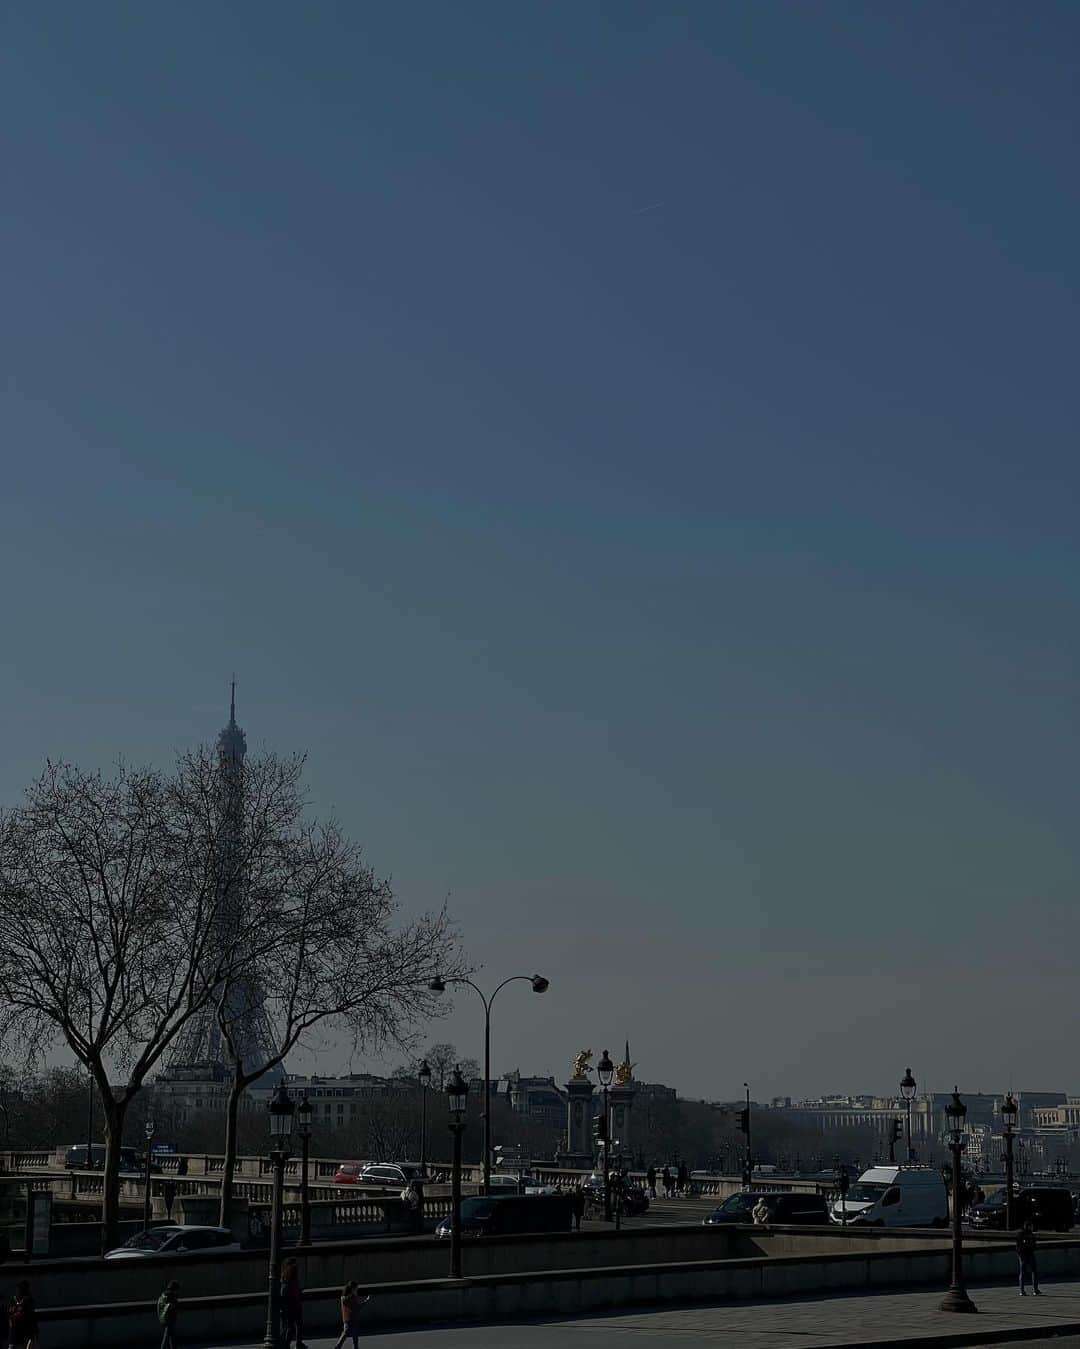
(148, 1130)
(438, 985)
(956, 1299)
(908, 1088)
(457, 1093)
(604, 1071)
(281, 1110)
(1010, 1113)
(423, 1075)
(304, 1113)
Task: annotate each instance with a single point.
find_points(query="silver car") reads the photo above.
(176, 1239)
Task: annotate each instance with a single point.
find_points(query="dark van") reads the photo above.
(502, 1215)
(1047, 1209)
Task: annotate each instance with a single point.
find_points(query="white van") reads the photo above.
(894, 1196)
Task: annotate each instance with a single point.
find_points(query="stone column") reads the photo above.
(579, 1118)
(622, 1129)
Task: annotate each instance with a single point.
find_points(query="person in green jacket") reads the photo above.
(168, 1312)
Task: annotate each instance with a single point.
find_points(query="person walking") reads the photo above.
(168, 1313)
(577, 1207)
(168, 1194)
(292, 1305)
(762, 1211)
(412, 1197)
(22, 1318)
(683, 1178)
(650, 1177)
(1025, 1250)
(665, 1180)
(351, 1302)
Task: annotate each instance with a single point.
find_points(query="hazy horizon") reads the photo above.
(630, 448)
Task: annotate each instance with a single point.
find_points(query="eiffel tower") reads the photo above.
(200, 1053)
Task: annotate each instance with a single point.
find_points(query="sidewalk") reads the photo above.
(867, 1321)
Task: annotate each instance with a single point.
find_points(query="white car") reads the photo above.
(176, 1239)
(389, 1173)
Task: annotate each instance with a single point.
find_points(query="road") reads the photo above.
(805, 1323)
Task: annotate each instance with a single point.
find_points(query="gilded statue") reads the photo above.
(581, 1065)
(624, 1073)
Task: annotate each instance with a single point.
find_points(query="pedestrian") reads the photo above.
(168, 1313)
(683, 1178)
(577, 1207)
(650, 1177)
(351, 1302)
(168, 1194)
(762, 1211)
(413, 1198)
(665, 1180)
(181, 1167)
(1025, 1250)
(22, 1318)
(292, 1305)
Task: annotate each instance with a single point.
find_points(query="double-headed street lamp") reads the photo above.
(148, 1130)
(956, 1299)
(457, 1095)
(908, 1088)
(604, 1072)
(1010, 1113)
(281, 1110)
(304, 1113)
(423, 1076)
(438, 985)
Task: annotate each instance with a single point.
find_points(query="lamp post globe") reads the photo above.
(908, 1088)
(956, 1299)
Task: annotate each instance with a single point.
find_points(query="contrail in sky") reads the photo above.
(641, 210)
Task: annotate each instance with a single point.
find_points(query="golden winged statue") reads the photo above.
(624, 1073)
(581, 1065)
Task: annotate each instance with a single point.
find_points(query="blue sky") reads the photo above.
(630, 447)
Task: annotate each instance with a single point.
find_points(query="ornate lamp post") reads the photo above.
(843, 1184)
(281, 1111)
(908, 1088)
(956, 1299)
(148, 1130)
(604, 1071)
(438, 985)
(304, 1113)
(1010, 1113)
(457, 1093)
(423, 1076)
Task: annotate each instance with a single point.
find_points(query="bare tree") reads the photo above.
(111, 896)
(442, 1059)
(344, 957)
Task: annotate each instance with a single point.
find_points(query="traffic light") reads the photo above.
(600, 1128)
(897, 1130)
(744, 1121)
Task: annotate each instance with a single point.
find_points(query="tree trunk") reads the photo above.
(110, 1195)
(232, 1114)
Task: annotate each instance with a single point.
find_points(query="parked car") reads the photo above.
(506, 1214)
(736, 1208)
(1046, 1208)
(176, 1240)
(894, 1196)
(389, 1173)
(348, 1173)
